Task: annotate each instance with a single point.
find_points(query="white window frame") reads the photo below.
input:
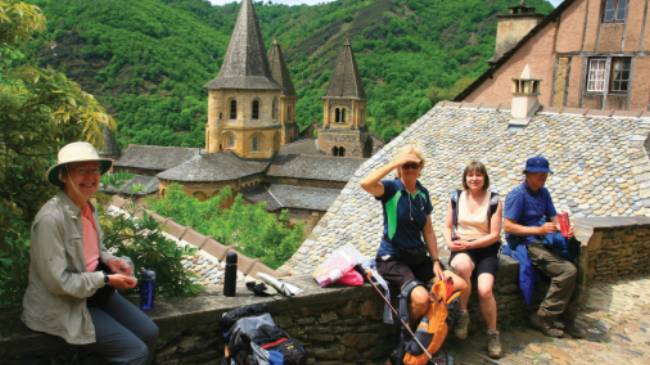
(597, 77)
(599, 81)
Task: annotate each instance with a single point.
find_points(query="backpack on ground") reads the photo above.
(253, 338)
(432, 329)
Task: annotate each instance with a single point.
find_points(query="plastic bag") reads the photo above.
(350, 278)
(339, 262)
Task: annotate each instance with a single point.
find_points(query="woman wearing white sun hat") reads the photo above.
(72, 279)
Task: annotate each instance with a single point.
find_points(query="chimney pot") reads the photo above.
(525, 103)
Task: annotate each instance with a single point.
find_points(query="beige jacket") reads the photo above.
(55, 300)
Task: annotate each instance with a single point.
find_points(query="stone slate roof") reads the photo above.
(147, 184)
(303, 146)
(245, 65)
(157, 158)
(111, 148)
(327, 168)
(279, 70)
(600, 166)
(214, 167)
(278, 196)
(345, 82)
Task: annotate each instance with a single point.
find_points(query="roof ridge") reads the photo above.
(585, 112)
(268, 190)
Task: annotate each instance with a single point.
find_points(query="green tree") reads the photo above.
(143, 242)
(40, 110)
(226, 217)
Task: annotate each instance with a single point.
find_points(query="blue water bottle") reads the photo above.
(147, 289)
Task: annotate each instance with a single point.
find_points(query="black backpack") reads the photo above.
(250, 333)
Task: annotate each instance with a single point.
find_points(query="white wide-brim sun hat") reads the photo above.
(76, 152)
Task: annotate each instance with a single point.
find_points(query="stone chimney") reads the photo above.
(525, 90)
(512, 27)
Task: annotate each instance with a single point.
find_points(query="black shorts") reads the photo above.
(485, 259)
(397, 273)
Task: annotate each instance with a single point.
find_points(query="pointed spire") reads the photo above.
(345, 81)
(111, 148)
(245, 65)
(279, 70)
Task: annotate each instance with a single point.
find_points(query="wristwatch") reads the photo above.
(106, 281)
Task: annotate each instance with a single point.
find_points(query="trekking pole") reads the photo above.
(406, 326)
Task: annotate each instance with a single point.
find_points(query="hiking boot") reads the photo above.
(572, 329)
(545, 325)
(461, 329)
(494, 344)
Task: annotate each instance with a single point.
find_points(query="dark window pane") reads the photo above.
(610, 9)
(256, 109)
(622, 9)
(233, 109)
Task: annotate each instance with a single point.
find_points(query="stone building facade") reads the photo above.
(243, 100)
(588, 53)
(344, 131)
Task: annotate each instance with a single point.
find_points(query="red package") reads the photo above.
(350, 278)
(563, 219)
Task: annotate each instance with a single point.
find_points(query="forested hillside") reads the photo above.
(147, 61)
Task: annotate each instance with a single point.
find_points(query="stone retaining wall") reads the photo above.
(614, 246)
(339, 324)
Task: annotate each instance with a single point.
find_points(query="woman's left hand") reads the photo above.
(459, 245)
(120, 266)
(437, 269)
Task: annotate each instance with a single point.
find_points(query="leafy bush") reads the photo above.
(142, 241)
(14, 258)
(229, 220)
(116, 179)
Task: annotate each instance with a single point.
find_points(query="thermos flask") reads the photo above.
(147, 289)
(230, 280)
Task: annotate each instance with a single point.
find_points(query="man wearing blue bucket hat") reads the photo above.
(530, 215)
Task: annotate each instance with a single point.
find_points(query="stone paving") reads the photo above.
(617, 316)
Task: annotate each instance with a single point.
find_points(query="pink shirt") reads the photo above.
(91, 239)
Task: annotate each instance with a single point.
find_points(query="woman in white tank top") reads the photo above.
(473, 237)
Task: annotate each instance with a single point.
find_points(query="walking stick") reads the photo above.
(406, 326)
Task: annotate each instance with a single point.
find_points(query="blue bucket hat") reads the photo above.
(537, 164)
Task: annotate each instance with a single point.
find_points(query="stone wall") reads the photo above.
(614, 247)
(338, 325)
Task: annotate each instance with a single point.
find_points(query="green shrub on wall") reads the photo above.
(14, 261)
(143, 242)
(226, 217)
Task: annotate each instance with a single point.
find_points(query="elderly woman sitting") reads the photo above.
(72, 279)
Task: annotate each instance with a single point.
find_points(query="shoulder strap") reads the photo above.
(455, 195)
(494, 204)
